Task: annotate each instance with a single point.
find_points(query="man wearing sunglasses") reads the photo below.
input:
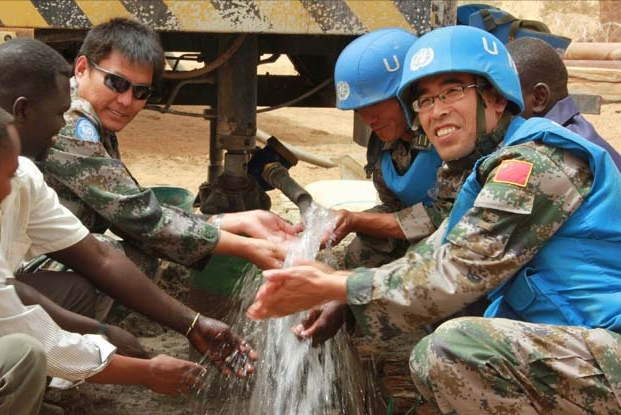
(34, 85)
(116, 68)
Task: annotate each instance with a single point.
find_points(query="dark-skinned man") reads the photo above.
(43, 226)
(543, 77)
(31, 343)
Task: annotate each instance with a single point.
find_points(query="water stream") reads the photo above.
(291, 378)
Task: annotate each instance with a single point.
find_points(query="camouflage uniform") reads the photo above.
(434, 279)
(387, 360)
(499, 366)
(416, 221)
(504, 230)
(92, 181)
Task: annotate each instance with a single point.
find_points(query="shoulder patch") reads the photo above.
(86, 131)
(515, 172)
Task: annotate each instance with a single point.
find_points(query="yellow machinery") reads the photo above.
(224, 40)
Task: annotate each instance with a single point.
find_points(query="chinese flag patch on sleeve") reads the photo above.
(515, 172)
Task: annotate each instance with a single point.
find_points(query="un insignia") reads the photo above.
(342, 90)
(422, 58)
(86, 131)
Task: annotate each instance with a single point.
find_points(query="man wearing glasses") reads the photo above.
(535, 227)
(117, 66)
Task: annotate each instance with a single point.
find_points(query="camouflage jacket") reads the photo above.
(437, 278)
(92, 181)
(417, 221)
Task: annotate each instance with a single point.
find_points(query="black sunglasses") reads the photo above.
(119, 84)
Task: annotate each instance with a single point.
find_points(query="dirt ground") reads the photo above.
(163, 149)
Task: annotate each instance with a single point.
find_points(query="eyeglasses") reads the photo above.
(448, 96)
(119, 84)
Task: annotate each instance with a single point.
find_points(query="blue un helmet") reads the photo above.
(460, 49)
(368, 70)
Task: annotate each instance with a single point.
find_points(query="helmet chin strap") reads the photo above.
(485, 143)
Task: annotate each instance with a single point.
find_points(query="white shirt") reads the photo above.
(33, 222)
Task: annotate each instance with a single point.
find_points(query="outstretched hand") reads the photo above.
(261, 224)
(266, 254)
(171, 376)
(291, 290)
(225, 349)
(342, 227)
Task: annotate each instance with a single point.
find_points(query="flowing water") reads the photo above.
(291, 378)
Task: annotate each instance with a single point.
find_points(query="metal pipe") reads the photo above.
(212, 66)
(262, 137)
(276, 175)
(216, 155)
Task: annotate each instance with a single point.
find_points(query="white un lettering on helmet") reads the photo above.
(493, 51)
(421, 59)
(387, 64)
(342, 90)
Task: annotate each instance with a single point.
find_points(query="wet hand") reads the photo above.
(261, 224)
(321, 323)
(266, 254)
(225, 349)
(126, 343)
(171, 376)
(291, 290)
(342, 227)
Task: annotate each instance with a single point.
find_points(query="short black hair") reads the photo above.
(6, 119)
(134, 40)
(28, 68)
(536, 61)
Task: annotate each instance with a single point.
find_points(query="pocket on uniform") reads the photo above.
(520, 295)
(506, 198)
(484, 231)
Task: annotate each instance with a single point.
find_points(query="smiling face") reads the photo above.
(386, 119)
(9, 150)
(115, 110)
(452, 127)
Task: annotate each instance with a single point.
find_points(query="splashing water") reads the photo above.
(292, 378)
(303, 376)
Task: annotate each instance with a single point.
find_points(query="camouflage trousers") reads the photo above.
(497, 366)
(371, 252)
(149, 265)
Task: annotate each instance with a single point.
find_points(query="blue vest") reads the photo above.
(575, 279)
(414, 185)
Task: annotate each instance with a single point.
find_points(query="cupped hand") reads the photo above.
(171, 376)
(261, 224)
(289, 291)
(266, 254)
(342, 227)
(321, 323)
(225, 349)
